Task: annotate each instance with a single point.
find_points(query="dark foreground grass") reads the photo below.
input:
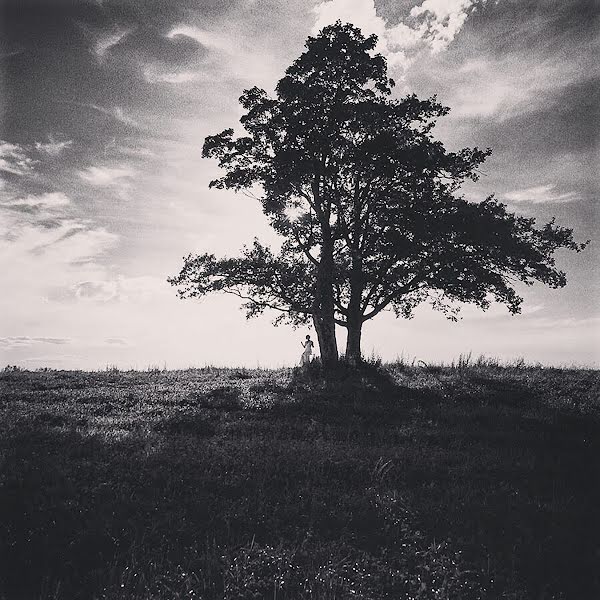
(447, 483)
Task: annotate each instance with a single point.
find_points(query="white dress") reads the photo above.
(307, 352)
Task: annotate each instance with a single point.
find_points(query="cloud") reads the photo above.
(53, 147)
(41, 237)
(542, 194)
(106, 176)
(102, 291)
(231, 55)
(121, 289)
(591, 323)
(206, 38)
(507, 86)
(14, 159)
(21, 341)
(116, 112)
(153, 75)
(140, 152)
(115, 341)
(431, 26)
(41, 228)
(69, 241)
(120, 115)
(469, 312)
(108, 40)
(49, 201)
(441, 20)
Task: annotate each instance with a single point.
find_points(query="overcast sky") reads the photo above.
(104, 108)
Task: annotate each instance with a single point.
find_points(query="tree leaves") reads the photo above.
(365, 199)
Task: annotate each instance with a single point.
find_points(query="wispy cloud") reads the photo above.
(49, 201)
(99, 291)
(104, 41)
(115, 112)
(508, 86)
(53, 147)
(139, 152)
(204, 37)
(542, 194)
(21, 341)
(14, 159)
(121, 289)
(42, 226)
(153, 75)
(106, 176)
(232, 56)
(115, 341)
(591, 323)
(67, 241)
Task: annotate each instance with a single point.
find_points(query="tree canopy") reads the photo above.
(367, 203)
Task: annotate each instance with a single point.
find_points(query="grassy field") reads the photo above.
(406, 482)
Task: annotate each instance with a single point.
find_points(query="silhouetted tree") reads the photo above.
(366, 201)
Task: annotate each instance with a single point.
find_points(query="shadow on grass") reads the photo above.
(362, 486)
(90, 516)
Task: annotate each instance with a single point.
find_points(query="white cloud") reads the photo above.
(14, 159)
(106, 176)
(542, 194)
(48, 201)
(53, 147)
(431, 26)
(442, 20)
(106, 41)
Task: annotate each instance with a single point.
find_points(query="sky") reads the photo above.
(104, 107)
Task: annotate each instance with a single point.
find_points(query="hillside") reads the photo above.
(474, 482)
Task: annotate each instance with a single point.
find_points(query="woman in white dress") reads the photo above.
(308, 346)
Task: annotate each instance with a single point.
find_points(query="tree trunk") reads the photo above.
(325, 329)
(353, 352)
(354, 319)
(324, 308)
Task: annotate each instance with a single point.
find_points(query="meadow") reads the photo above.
(472, 481)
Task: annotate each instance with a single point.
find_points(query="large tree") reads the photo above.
(366, 201)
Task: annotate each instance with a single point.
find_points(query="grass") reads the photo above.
(472, 481)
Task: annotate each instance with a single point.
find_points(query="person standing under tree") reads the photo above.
(308, 346)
